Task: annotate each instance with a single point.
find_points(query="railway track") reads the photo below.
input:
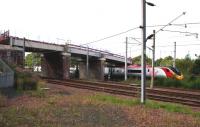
(185, 97)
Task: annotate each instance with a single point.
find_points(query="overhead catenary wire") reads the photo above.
(178, 45)
(111, 36)
(174, 24)
(170, 22)
(184, 32)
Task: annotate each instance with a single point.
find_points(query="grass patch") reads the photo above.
(132, 80)
(170, 107)
(21, 116)
(73, 115)
(114, 100)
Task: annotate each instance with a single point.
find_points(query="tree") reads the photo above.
(196, 67)
(137, 60)
(158, 62)
(167, 61)
(33, 59)
(185, 65)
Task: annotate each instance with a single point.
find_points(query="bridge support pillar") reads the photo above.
(55, 65)
(66, 58)
(82, 70)
(96, 69)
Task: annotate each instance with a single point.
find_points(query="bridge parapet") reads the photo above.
(97, 53)
(20, 42)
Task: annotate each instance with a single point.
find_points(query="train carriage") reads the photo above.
(135, 70)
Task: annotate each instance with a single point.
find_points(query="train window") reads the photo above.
(134, 71)
(175, 70)
(148, 70)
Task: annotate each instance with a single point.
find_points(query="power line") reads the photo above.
(111, 36)
(178, 45)
(173, 24)
(193, 23)
(170, 22)
(190, 33)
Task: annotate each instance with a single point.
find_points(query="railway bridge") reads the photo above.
(55, 58)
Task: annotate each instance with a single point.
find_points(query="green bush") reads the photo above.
(3, 100)
(19, 83)
(194, 84)
(167, 82)
(26, 81)
(189, 82)
(29, 84)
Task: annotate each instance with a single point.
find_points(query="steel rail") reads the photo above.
(160, 95)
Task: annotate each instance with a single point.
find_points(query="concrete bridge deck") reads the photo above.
(38, 46)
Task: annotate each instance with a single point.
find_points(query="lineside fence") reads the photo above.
(6, 75)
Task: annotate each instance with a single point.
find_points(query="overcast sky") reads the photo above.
(84, 21)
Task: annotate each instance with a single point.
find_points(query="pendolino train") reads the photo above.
(135, 71)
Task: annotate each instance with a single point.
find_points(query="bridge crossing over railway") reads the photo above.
(56, 58)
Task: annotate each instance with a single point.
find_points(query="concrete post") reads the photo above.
(174, 60)
(143, 56)
(153, 60)
(125, 69)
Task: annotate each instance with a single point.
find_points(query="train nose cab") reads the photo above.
(173, 72)
(177, 74)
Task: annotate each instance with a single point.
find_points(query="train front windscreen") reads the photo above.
(175, 70)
